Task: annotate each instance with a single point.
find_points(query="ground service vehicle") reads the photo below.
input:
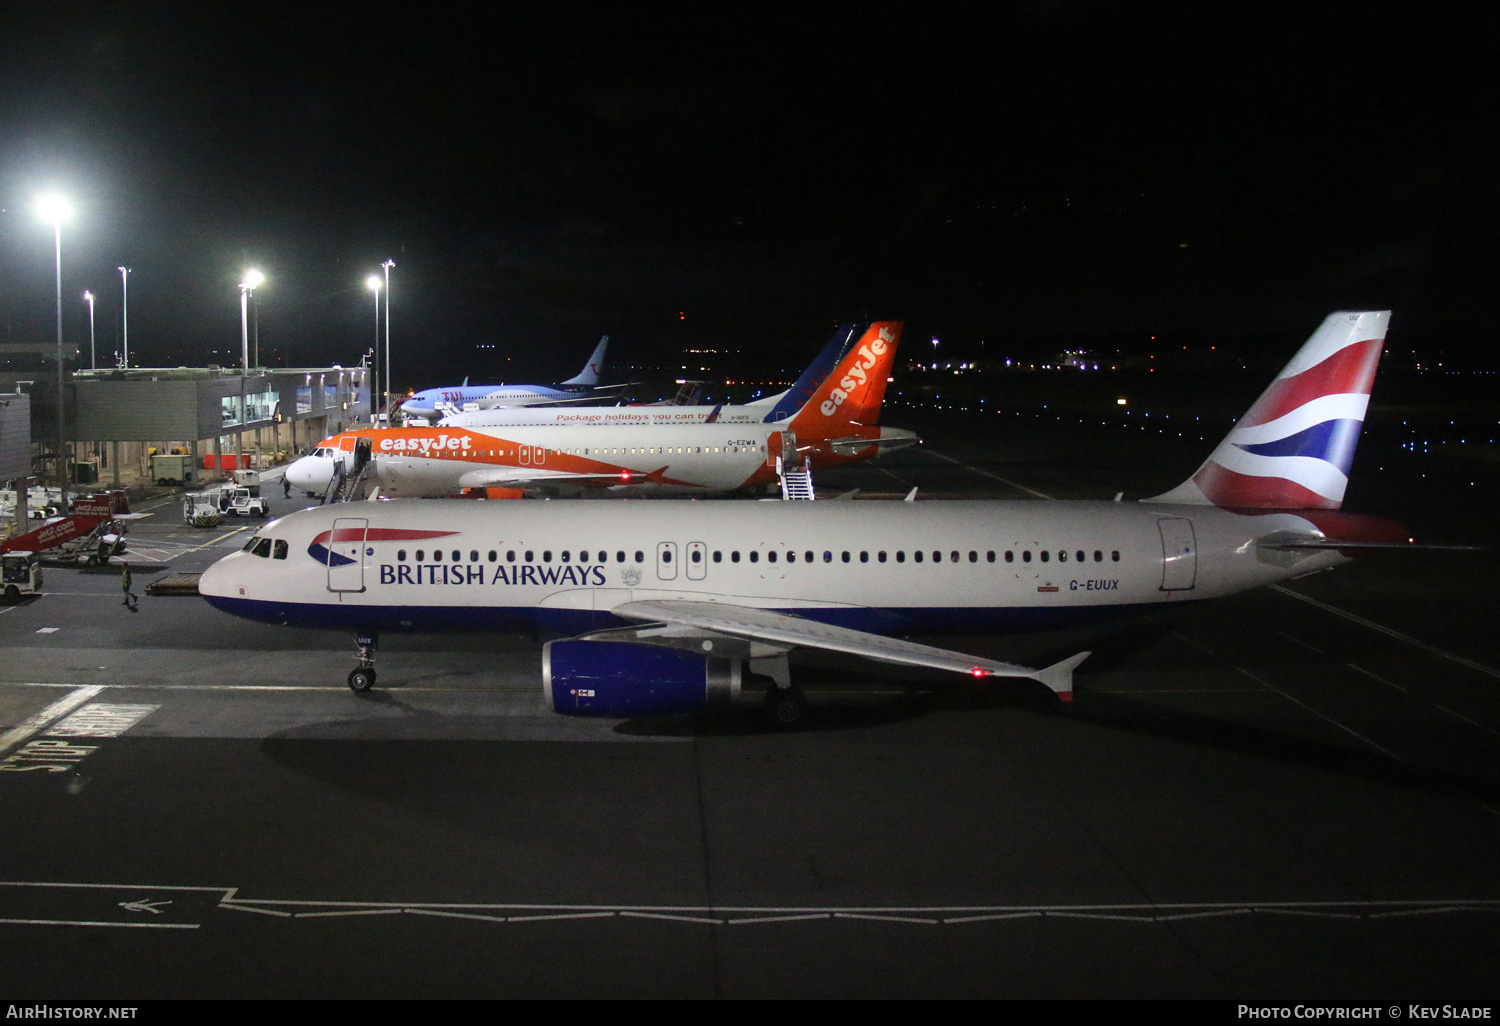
(172, 469)
(241, 503)
(20, 574)
(201, 509)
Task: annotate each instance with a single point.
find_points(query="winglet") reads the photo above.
(1059, 676)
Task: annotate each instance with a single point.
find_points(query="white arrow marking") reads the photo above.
(144, 906)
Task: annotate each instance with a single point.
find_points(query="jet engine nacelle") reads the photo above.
(630, 678)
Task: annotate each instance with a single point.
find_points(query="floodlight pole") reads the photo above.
(373, 284)
(244, 330)
(125, 315)
(389, 263)
(93, 359)
(62, 440)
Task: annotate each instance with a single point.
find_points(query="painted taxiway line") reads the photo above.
(37, 721)
(1361, 910)
(985, 473)
(394, 689)
(1442, 653)
(99, 922)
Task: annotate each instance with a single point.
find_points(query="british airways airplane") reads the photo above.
(582, 387)
(630, 449)
(683, 606)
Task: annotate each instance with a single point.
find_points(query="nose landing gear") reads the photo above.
(362, 677)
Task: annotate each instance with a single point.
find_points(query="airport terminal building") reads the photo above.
(219, 417)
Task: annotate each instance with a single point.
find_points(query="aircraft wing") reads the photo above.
(520, 477)
(793, 631)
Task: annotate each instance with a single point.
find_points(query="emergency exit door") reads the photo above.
(344, 552)
(1179, 554)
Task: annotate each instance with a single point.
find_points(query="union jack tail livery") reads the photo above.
(1293, 449)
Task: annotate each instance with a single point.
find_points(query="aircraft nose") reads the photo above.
(214, 582)
(310, 473)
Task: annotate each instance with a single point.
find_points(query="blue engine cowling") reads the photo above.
(631, 678)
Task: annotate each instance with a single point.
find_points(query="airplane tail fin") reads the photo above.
(591, 370)
(1293, 449)
(855, 388)
(790, 401)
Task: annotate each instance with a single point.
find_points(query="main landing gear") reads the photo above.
(786, 707)
(362, 677)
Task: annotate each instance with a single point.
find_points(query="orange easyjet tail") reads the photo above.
(853, 392)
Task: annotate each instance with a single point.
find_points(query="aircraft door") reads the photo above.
(361, 454)
(344, 553)
(666, 561)
(1179, 555)
(697, 561)
(525, 451)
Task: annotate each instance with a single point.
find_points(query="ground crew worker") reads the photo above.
(130, 597)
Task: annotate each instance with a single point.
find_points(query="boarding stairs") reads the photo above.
(351, 485)
(796, 481)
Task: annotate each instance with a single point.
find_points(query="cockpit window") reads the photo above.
(262, 547)
(280, 549)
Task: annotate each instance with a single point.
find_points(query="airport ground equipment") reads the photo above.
(249, 479)
(174, 584)
(21, 574)
(236, 500)
(173, 469)
(85, 537)
(201, 509)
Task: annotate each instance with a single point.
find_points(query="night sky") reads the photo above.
(721, 176)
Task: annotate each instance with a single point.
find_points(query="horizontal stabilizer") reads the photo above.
(1284, 544)
(890, 440)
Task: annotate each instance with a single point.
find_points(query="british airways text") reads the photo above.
(478, 573)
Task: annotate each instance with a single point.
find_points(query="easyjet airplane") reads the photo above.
(696, 605)
(628, 447)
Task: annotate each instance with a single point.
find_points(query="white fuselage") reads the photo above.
(888, 567)
(605, 416)
(693, 458)
(433, 401)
